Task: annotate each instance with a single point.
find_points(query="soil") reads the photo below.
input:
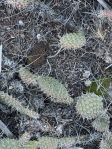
(33, 43)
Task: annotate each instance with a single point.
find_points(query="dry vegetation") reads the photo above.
(30, 34)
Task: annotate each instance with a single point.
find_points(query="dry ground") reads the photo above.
(33, 43)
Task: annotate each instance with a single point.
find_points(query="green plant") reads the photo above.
(12, 102)
(89, 105)
(14, 143)
(50, 86)
(73, 40)
(99, 86)
(42, 143)
(27, 77)
(8, 144)
(101, 123)
(52, 143)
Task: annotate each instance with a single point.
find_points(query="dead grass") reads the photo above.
(33, 44)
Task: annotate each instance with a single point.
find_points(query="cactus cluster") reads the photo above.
(12, 102)
(73, 40)
(101, 123)
(49, 85)
(89, 106)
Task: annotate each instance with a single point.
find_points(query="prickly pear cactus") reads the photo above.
(10, 101)
(14, 144)
(89, 106)
(106, 142)
(101, 123)
(53, 143)
(31, 145)
(42, 143)
(24, 139)
(73, 40)
(52, 87)
(27, 77)
(8, 144)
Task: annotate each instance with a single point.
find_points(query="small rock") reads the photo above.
(86, 74)
(59, 129)
(38, 36)
(21, 23)
(87, 83)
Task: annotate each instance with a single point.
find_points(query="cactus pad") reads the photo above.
(10, 101)
(52, 87)
(101, 123)
(89, 105)
(72, 40)
(106, 142)
(18, 3)
(27, 77)
(15, 144)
